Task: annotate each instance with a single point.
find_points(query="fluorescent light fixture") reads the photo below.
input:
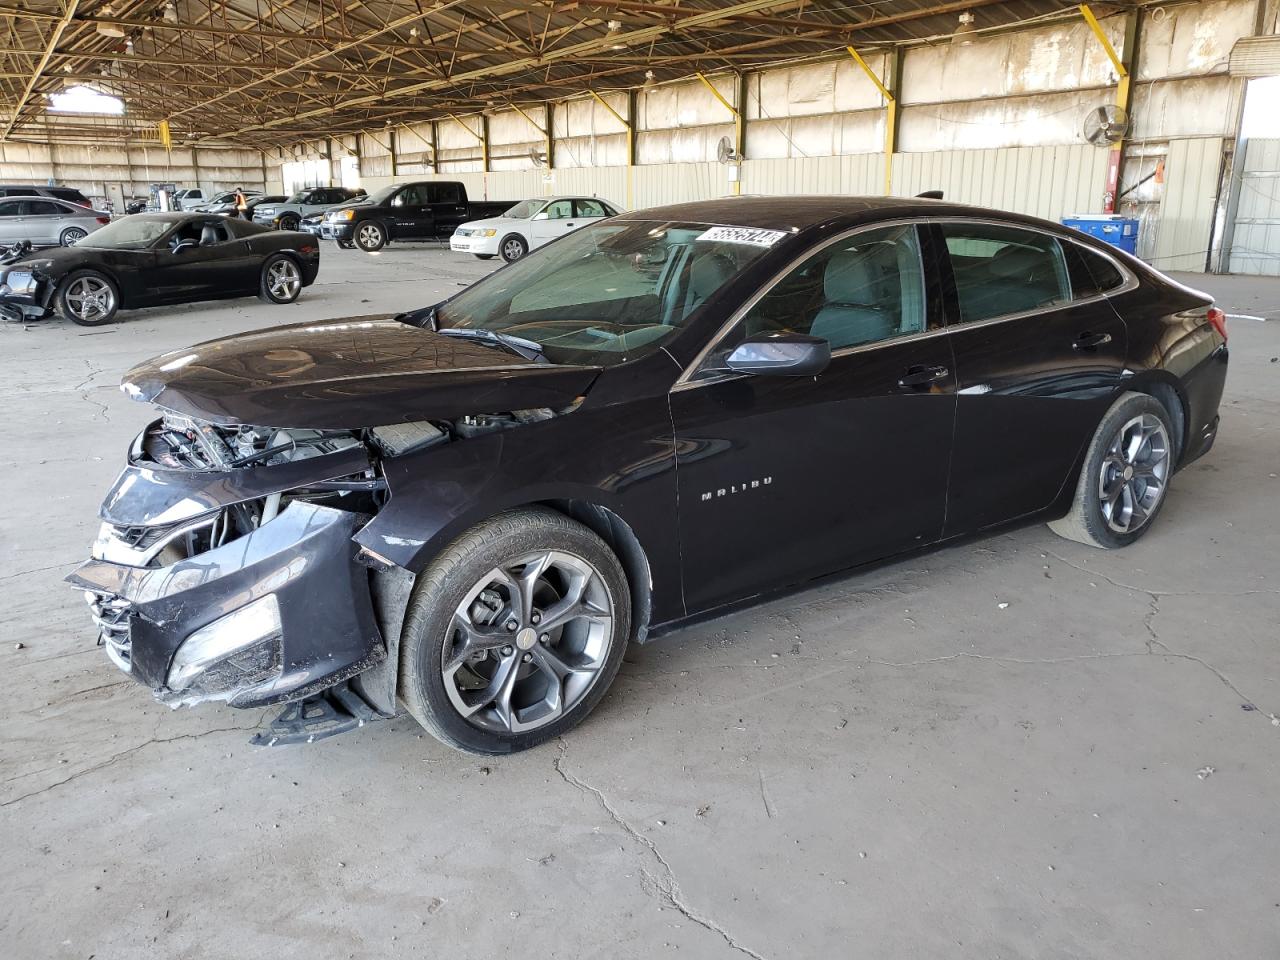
(86, 100)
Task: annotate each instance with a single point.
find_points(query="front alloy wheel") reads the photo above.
(527, 642)
(514, 632)
(88, 299)
(370, 237)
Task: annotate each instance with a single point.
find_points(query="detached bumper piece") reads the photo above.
(337, 710)
(275, 616)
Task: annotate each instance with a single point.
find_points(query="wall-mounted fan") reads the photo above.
(1106, 124)
(725, 152)
(539, 157)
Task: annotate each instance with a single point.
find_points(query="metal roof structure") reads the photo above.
(270, 72)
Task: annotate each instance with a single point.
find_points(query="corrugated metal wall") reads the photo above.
(1047, 182)
(1179, 238)
(1255, 243)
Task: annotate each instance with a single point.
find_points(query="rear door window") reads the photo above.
(590, 208)
(42, 208)
(445, 192)
(1000, 271)
(66, 193)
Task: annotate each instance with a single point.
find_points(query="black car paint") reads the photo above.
(156, 275)
(436, 220)
(714, 494)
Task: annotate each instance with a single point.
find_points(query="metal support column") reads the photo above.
(887, 88)
(630, 127)
(739, 128)
(1121, 64)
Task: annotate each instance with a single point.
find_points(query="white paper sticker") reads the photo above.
(757, 238)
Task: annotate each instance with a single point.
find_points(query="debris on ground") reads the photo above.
(1204, 773)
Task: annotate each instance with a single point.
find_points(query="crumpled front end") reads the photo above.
(225, 569)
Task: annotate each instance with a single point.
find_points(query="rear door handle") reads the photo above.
(923, 376)
(1091, 341)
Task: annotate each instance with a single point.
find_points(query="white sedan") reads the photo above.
(527, 226)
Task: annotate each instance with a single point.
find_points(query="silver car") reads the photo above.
(47, 222)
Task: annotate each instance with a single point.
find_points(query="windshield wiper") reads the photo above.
(529, 349)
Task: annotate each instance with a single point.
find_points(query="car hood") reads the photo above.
(495, 222)
(348, 374)
(52, 260)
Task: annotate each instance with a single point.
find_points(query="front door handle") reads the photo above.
(1091, 341)
(922, 376)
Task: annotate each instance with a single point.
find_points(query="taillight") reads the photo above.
(103, 220)
(1219, 320)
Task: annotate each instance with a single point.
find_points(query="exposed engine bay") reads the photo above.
(206, 517)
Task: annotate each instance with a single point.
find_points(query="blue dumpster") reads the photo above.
(1118, 231)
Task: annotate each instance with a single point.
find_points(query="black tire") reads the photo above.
(370, 236)
(1115, 490)
(289, 222)
(280, 280)
(483, 256)
(430, 628)
(345, 245)
(69, 302)
(513, 247)
(72, 235)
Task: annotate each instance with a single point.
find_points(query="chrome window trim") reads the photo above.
(685, 381)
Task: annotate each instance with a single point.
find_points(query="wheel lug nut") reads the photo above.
(536, 618)
(527, 657)
(507, 651)
(545, 638)
(511, 626)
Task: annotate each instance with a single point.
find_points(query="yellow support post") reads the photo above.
(1110, 197)
(631, 140)
(890, 117)
(738, 145)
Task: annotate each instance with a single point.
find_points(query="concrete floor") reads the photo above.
(897, 765)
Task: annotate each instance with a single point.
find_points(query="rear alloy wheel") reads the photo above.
(72, 235)
(1125, 475)
(288, 223)
(88, 298)
(281, 280)
(513, 248)
(370, 237)
(514, 633)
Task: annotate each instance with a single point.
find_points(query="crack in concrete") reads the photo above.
(93, 372)
(23, 573)
(1157, 593)
(668, 891)
(123, 755)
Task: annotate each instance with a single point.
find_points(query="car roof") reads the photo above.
(798, 213)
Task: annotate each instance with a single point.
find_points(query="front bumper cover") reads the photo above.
(304, 556)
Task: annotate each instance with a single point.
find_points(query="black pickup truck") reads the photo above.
(425, 210)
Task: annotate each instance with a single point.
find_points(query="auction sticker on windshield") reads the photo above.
(757, 238)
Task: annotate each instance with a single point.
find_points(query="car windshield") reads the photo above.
(133, 233)
(610, 292)
(297, 197)
(524, 209)
(383, 195)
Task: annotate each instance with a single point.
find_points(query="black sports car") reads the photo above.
(474, 507)
(153, 259)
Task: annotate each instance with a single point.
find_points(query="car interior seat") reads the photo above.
(707, 273)
(859, 285)
(209, 235)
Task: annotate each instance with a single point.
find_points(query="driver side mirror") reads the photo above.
(780, 355)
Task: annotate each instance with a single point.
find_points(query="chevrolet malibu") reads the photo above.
(472, 508)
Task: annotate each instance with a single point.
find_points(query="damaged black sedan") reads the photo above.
(473, 508)
(157, 259)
